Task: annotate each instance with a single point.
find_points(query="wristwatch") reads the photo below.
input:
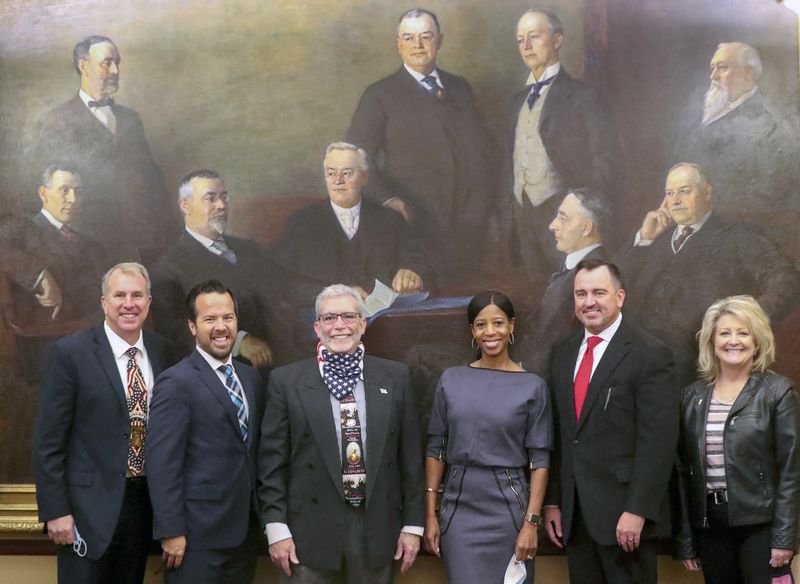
(533, 519)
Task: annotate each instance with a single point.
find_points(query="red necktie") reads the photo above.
(581, 385)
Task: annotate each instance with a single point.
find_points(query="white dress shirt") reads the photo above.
(349, 218)
(105, 114)
(419, 76)
(574, 258)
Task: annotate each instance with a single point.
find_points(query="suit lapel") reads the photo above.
(317, 404)
(216, 387)
(379, 404)
(108, 363)
(558, 92)
(617, 349)
(155, 357)
(567, 372)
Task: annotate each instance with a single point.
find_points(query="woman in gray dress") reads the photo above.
(490, 432)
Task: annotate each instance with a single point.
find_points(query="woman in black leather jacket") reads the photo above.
(739, 453)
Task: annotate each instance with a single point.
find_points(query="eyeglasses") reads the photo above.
(331, 317)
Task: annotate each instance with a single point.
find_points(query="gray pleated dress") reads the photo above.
(491, 427)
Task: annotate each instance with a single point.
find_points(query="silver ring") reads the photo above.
(630, 539)
(530, 557)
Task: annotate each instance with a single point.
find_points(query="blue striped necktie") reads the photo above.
(235, 393)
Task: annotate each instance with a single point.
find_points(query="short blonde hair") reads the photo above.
(749, 311)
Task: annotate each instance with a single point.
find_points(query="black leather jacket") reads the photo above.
(762, 460)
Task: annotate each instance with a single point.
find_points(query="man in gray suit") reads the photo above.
(339, 465)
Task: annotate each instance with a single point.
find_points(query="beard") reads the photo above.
(715, 100)
(218, 222)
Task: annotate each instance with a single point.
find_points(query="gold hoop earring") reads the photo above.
(474, 344)
(511, 339)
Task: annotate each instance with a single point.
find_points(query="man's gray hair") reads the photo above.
(556, 27)
(746, 56)
(334, 291)
(701, 174)
(81, 51)
(185, 188)
(47, 173)
(362, 155)
(596, 207)
(130, 268)
(419, 13)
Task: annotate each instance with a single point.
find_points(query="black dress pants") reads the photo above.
(125, 559)
(735, 554)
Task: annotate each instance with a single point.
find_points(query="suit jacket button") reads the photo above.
(576, 442)
(388, 465)
(393, 432)
(310, 465)
(314, 500)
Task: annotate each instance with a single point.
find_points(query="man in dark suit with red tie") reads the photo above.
(126, 205)
(201, 450)
(90, 434)
(614, 391)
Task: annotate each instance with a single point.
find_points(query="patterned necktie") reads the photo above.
(226, 253)
(237, 397)
(137, 412)
(581, 385)
(69, 234)
(681, 239)
(341, 372)
(433, 87)
(533, 96)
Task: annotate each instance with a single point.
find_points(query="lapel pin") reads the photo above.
(383, 391)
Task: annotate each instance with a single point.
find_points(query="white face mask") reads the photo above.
(515, 572)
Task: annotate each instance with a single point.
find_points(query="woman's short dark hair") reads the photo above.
(484, 299)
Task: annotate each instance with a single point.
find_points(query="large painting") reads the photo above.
(209, 139)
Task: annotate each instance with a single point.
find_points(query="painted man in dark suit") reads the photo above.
(616, 400)
(423, 124)
(126, 206)
(202, 437)
(685, 257)
(560, 135)
(582, 218)
(340, 472)
(90, 434)
(349, 238)
(747, 146)
(56, 274)
(203, 252)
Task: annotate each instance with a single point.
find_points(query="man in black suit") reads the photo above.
(125, 206)
(202, 252)
(422, 122)
(582, 218)
(340, 472)
(613, 387)
(349, 238)
(57, 271)
(560, 134)
(748, 147)
(685, 257)
(90, 434)
(202, 438)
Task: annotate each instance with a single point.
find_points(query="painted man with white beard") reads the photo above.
(746, 144)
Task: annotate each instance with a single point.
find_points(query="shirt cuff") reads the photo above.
(239, 337)
(389, 200)
(639, 242)
(276, 532)
(413, 530)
